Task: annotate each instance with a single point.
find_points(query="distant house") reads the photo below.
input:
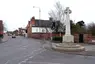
(21, 31)
(9, 33)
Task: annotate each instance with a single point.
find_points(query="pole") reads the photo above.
(39, 15)
(39, 18)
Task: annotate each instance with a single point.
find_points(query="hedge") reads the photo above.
(57, 38)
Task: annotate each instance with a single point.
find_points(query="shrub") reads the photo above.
(1, 35)
(57, 38)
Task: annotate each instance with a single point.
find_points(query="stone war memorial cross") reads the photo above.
(68, 39)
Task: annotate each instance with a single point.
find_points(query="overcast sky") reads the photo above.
(16, 13)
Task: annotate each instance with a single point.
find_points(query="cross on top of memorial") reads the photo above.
(67, 10)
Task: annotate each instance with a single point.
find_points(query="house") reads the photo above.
(16, 32)
(22, 31)
(39, 28)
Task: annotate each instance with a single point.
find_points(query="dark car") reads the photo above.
(13, 36)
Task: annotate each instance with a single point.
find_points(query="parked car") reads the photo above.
(13, 36)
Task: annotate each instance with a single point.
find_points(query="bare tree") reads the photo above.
(58, 13)
(91, 28)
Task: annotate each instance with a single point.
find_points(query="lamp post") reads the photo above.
(39, 14)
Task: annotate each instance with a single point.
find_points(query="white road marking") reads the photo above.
(34, 52)
(44, 62)
(7, 62)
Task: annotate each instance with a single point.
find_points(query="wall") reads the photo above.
(86, 37)
(76, 38)
(92, 40)
(44, 35)
(1, 27)
(41, 35)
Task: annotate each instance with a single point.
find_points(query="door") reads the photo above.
(81, 38)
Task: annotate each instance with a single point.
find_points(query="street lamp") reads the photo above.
(39, 11)
(39, 14)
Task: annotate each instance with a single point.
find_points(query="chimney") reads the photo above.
(33, 18)
(28, 22)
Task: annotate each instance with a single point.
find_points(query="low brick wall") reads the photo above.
(76, 38)
(57, 34)
(93, 37)
(87, 37)
(44, 35)
(41, 35)
(92, 40)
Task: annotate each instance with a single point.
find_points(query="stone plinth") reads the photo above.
(68, 47)
(68, 38)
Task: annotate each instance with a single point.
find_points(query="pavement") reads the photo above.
(89, 49)
(5, 38)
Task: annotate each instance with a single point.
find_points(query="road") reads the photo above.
(28, 51)
(52, 57)
(18, 49)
